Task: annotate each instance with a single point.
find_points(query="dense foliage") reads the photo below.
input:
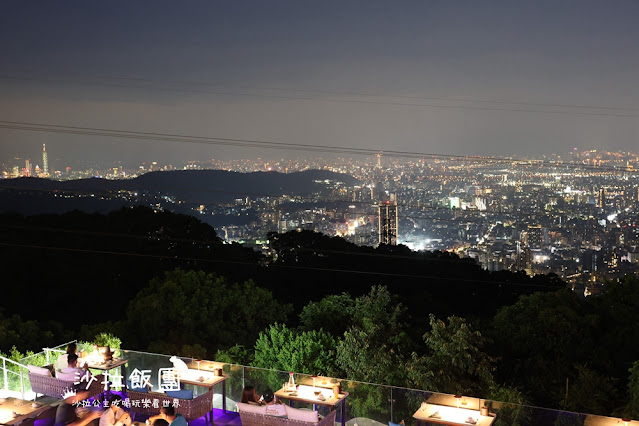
(192, 307)
(309, 352)
(321, 305)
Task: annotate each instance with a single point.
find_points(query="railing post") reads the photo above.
(6, 381)
(391, 401)
(21, 385)
(46, 351)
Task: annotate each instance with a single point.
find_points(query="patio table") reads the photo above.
(208, 370)
(24, 410)
(305, 394)
(445, 415)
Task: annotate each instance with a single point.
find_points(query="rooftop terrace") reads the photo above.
(359, 403)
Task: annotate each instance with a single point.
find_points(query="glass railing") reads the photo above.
(16, 378)
(373, 404)
(13, 377)
(46, 356)
(366, 404)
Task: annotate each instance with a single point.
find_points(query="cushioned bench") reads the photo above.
(191, 409)
(256, 415)
(43, 383)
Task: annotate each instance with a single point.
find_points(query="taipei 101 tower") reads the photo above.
(45, 160)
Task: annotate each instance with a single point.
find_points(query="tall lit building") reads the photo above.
(45, 160)
(601, 200)
(534, 235)
(388, 221)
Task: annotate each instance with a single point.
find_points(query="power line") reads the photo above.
(360, 101)
(215, 243)
(170, 239)
(168, 137)
(111, 234)
(279, 145)
(276, 265)
(101, 78)
(378, 95)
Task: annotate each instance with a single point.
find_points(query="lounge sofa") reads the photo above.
(256, 415)
(42, 382)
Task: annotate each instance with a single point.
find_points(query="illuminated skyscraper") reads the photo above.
(534, 236)
(45, 160)
(601, 201)
(388, 221)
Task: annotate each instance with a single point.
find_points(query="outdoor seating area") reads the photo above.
(209, 392)
(256, 415)
(190, 408)
(48, 385)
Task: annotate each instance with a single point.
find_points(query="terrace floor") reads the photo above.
(219, 418)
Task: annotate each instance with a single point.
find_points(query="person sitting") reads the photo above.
(249, 396)
(168, 413)
(160, 422)
(115, 414)
(72, 372)
(62, 362)
(67, 415)
(273, 406)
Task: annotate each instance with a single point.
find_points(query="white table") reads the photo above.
(445, 415)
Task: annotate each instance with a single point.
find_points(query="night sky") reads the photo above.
(443, 77)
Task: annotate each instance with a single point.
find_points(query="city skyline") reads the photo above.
(124, 168)
(572, 215)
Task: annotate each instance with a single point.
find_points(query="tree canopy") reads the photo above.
(333, 314)
(187, 307)
(454, 360)
(376, 342)
(309, 352)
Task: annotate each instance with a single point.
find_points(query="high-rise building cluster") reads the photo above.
(576, 217)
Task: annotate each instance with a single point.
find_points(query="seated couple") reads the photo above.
(274, 407)
(62, 361)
